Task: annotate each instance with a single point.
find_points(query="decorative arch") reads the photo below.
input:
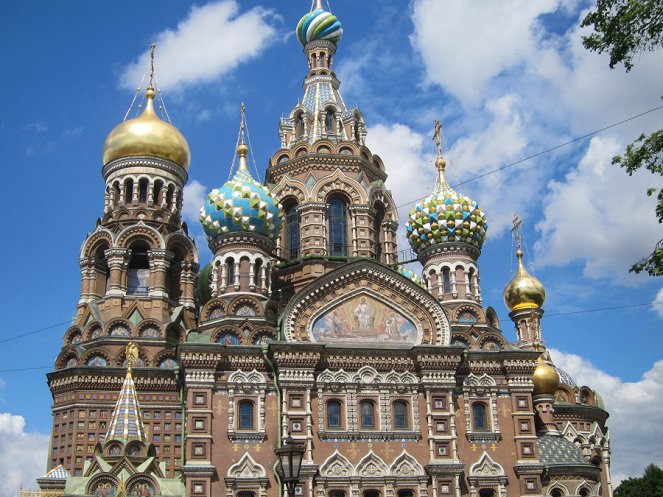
(338, 181)
(240, 302)
(372, 466)
(484, 380)
(140, 232)
(68, 358)
(120, 327)
(93, 330)
(246, 467)
(102, 484)
(73, 336)
(184, 244)
(557, 486)
(405, 466)
(100, 237)
(150, 328)
(214, 309)
(369, 278)
(337, 466)
(232, 335)
(486, 467)
(142, 485)
(92, 354)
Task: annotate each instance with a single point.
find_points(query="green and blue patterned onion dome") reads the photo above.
(319, 25)
(410, 275)
(445, 216)
(241, 204)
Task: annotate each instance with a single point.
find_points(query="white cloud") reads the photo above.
(466, 46)
(658, 303)
(211, 41)
(22, 455)
(636, 432)
(599, 215)
(194, 197)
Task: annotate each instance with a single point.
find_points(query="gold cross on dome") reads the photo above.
(152, 47)
(517, 227)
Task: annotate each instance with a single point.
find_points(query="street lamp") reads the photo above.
(290, 457)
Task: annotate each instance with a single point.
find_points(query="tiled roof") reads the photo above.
(57, 473)
(556, 450)
(126, 423)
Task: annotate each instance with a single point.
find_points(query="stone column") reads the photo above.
(87, 272)
(188, 282)
(118, 262)
(159, 264)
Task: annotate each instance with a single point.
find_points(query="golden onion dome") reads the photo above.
(546, 379)
(147, 135)
(524, 291)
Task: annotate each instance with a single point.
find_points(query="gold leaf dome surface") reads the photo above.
(147, 135)
(524, 290)
(546, 379)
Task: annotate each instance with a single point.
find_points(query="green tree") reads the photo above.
(649, 485)
(625, 28)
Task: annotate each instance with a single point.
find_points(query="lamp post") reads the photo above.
(290, 457)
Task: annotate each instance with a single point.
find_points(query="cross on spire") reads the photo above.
(152, 47)
(516, 230)
(437, 137)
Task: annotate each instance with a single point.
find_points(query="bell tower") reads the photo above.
(138, 273)
(331, 186)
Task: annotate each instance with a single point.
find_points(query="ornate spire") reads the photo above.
(242, 149)
(126, 423)
(440, 162)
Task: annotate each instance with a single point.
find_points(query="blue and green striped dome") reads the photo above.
(319, 25)
(241, 204)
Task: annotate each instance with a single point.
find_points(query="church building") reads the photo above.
(181, 380)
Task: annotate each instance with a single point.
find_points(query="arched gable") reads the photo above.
(372, 465)
(246, 467)
(339, 181)
(395, 310)
(337, 466)
(406, 466)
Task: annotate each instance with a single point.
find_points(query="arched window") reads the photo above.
(245, 420)
(405, 493)
(584, 492)
(138, 273)
(334, 414)
(329, 121)
(257, 270)
(299, 125)
(371, 493)
(338, 227)
(174, 277)
(357, 133)
(230, 271)
(470, 275)
(446, 280)
(337, 493)
(291, 231)
(487, 492)
(479, 420)
(400, 415)
(157, 192)
(116, 187)
(142, 190)
(128, 190)
(102, 271)
(169, 196)
(377, 229)
(367, 410)
(556, 493)
(246, 494)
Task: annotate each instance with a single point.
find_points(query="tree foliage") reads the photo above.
(625, 28)
(649, 485)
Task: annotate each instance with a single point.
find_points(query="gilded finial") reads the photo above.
(440, 162)
(242, 149)
(131, 353)
(318, 4)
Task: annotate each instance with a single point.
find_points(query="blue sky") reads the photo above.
(509, 79)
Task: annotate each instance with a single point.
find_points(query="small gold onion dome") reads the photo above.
(147, 135)
(524, 291)
(546, 379)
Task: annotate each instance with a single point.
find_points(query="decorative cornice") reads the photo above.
(161, 164)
